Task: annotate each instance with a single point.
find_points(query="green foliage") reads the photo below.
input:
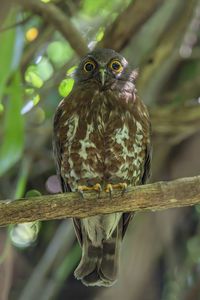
(32, 77)
(22, 180)
(45, 69)
(100, 34)
(59, 52)
(66, 86)
(6, 51)
(91, 7)
(45, 61)
(13, 142)
(71, 70)
(32, 193)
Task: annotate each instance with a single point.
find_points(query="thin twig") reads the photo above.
(16, 24)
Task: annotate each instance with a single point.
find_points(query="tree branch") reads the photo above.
(53, 15)
(128, 23)
(164, 125)
(156, 196)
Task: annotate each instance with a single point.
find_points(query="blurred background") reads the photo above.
(41, 41)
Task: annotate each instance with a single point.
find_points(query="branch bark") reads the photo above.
(128, 23)
(156, 196)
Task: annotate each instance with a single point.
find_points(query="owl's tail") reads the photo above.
(99, 265)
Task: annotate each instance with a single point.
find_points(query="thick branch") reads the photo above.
(53, 15)
(156, 196)
(128, 23)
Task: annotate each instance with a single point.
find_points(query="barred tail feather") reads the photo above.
(99, 266)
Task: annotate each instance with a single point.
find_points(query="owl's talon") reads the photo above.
(96, 187)
(109, 189)
(80, 192)
(121, 186)
(99, 191)
(124, 189)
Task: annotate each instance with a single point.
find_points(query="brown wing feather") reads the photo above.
(57, 150)
(127, 217)
(65, 187)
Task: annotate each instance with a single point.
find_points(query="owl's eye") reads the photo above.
(116, 66)
(89, 66)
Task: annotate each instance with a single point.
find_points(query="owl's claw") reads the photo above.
(80, 190)
(99, 190)
(121, 186)
(96, 187)
(124, 188)
(109, 189)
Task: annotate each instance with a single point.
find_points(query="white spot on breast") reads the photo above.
(139, 126)
(121, 134)
(72, 124)
(73, 174)
(139, 137)
(86, 142)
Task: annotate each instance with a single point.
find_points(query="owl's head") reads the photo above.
(105, 67)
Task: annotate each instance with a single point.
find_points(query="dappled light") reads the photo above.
(41, 45)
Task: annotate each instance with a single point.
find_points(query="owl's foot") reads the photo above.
(83, 188)
(121, 186)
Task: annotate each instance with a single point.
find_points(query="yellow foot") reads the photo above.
(121, 186)
(83, 188)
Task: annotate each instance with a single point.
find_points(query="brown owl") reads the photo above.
(102, 141)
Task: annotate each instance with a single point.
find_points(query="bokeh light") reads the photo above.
(32, 34)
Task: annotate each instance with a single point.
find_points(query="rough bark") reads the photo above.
(156, 196)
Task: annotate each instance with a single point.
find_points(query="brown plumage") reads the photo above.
(102, 135)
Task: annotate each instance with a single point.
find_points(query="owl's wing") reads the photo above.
(65, 187)
(57, 151)
(127, 217)
(148, 157)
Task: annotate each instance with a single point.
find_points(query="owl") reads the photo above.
(101, 140)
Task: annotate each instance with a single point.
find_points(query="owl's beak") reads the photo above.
(102, 76)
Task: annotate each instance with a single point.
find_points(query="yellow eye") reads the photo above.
(116, 66)
(89, 66)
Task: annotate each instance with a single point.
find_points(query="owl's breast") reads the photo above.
(103, 144)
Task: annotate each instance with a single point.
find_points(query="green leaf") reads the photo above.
(45, 69)
(7, 39)
(100, 34)
(66, 86)
(71, 70)
(92, 7)
(32, 77)
(13, 141)
(59, 52)
(32, 193)
(22, 177)
(1, 107)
